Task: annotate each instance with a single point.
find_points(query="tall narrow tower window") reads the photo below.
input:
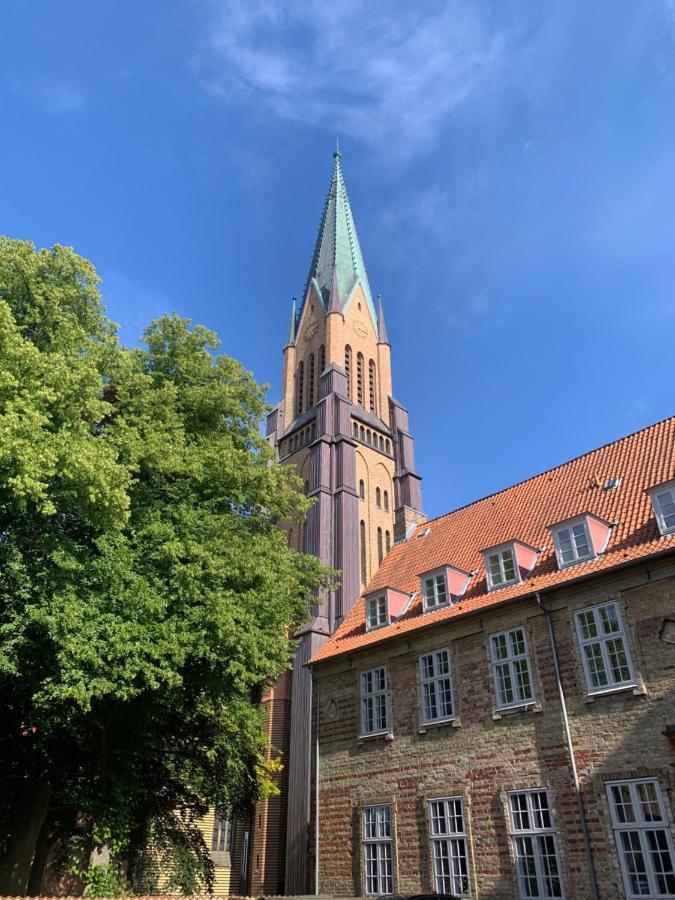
(310, 380)
(380, 550)
(301, 387)
(348, 369)
(378, 496)
(322, 359)
(359, 378)
(386, 500)
(371, 386)
(387, 541)
(362, 535)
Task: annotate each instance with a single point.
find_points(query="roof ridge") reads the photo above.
(511, 487)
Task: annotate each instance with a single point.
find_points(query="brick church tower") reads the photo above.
(349, 441)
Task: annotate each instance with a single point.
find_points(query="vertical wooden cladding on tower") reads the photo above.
(268, 846)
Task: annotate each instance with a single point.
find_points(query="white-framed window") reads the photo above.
(604, 650)
(502, 568)
(435, 590)
(534, 845)
(377, 849)
(449, 846)
(643, 838)
(663, 501)
(220, 837)
(511, 668)
(376, 611)
(436, 686)
(573, 543)
(374, 712)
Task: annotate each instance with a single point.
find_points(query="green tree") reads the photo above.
(146, 593)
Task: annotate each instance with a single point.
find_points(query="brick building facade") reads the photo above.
(449, 749)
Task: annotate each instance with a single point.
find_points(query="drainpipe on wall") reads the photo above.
(316, 794)
(570, 750)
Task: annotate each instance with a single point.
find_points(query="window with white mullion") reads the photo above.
(535, 845)
(436, 687)
(377, 847)
(449, 846)
(604, 649)
(374, 714)
(643, 838)
(573, 543)
(435, 591)
(377, 611)
(664, 507)
(501, 567)
(511, 668)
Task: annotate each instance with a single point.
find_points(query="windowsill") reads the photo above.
(636, 688)
(438, 723)
(370, 628)
(430, 609)
(578, 562)
(507, 584)
(531, 706)
(221, 858)
(384, 735)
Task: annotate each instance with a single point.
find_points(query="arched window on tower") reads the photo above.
(362, 489)
(355, 429)
(301, 388)
(363, 433)
(348, 369)
(322, 359)
(371, 386)
(380, 551)
(310, 380)
(378, 497)
(386, 500)
(381, 443)
(359, 378)
(363, 554)
(387, 541)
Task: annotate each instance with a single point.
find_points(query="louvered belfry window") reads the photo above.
(348, 369)
(301, 387)
(359, 378)
(310, 379)
(371, 385)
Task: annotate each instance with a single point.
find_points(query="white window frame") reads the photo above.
(374, 701)
(654, 493)
(570, 525)
(381, 610)
(433, 684)
(435, 576)
(513, 663)
(449, 846)
(221, 833)
(637, 831)
(378, 849)
(538, 834)
(499, 551)
(603, 639)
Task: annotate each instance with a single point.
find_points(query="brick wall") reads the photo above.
(483, 754)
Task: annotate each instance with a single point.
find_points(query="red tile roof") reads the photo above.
(524, 512)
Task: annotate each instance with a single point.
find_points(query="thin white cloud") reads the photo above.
(385, 73)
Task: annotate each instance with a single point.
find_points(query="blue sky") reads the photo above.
(511, 166)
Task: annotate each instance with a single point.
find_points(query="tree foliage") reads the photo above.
(146, 593)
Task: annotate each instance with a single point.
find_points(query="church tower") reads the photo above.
(348, 439)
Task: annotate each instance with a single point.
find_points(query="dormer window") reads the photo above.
(580, 539)
(384, 606)
(501, 566)
(663, 501)
(435, 591)
(508, 564)
(377, 614)
(443, 586)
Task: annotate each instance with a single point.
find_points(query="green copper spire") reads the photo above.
(337, 263)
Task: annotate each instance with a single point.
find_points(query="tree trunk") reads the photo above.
(25, 826)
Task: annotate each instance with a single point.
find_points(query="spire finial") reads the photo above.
(337, 154)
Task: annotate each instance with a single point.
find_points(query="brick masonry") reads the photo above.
(483, 754)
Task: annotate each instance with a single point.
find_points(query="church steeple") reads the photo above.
(337, 262)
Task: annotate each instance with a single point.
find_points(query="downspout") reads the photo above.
(316, 793)
(570, 750)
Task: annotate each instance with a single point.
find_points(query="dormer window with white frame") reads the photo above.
(501, 566)
(580, 539)
(435, 590)
(663, 503)
(573, 543)
(377, 613)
